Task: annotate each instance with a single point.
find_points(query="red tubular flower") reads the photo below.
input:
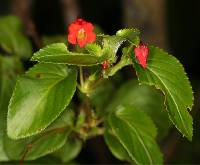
(81, 32)
(141, 53)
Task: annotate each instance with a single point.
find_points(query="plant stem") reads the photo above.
(118, 66)
(81, 76)
(125, 60)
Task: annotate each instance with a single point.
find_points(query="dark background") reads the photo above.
(182, 22)
(182, 28)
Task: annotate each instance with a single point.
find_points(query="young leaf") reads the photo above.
(167, 74)
(136, 133)
(50, 140)
(58, 53)
(124, 61)
(112, 44)
(93, 49)
(132, 35)
(11, 38)
(39, 97)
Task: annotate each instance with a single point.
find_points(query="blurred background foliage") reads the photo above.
(170, 24)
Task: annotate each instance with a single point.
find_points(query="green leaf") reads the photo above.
(115, 146)
(39, 97)
(100, 97)
(93, 49)
(132, 35)
(11, 22)
(124, 61)
(58, 53)
(11, 38)
(112, 44)
(144, 98)
(50, 140)
(136, 133)
(3, 156)
(70, 150)
(35, 147)
(167, 74)
(9, 68)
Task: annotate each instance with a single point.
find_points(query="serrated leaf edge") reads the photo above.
(45, 126)
(36, 58)
(187, 79)
(128, 29)
(48, 151)
(153, 138)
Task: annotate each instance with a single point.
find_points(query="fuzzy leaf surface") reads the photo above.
(93, 49)
(132, 35)
(112, 44)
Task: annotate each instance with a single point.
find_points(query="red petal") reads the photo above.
(143, 62)
(141, 53)
(74, 28)
(82, 42)
(80, 21)
(91, 37)
(72, 38)
(88, 27)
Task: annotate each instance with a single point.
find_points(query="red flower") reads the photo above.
(105, 65)
(81, 32)
(141, 53)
